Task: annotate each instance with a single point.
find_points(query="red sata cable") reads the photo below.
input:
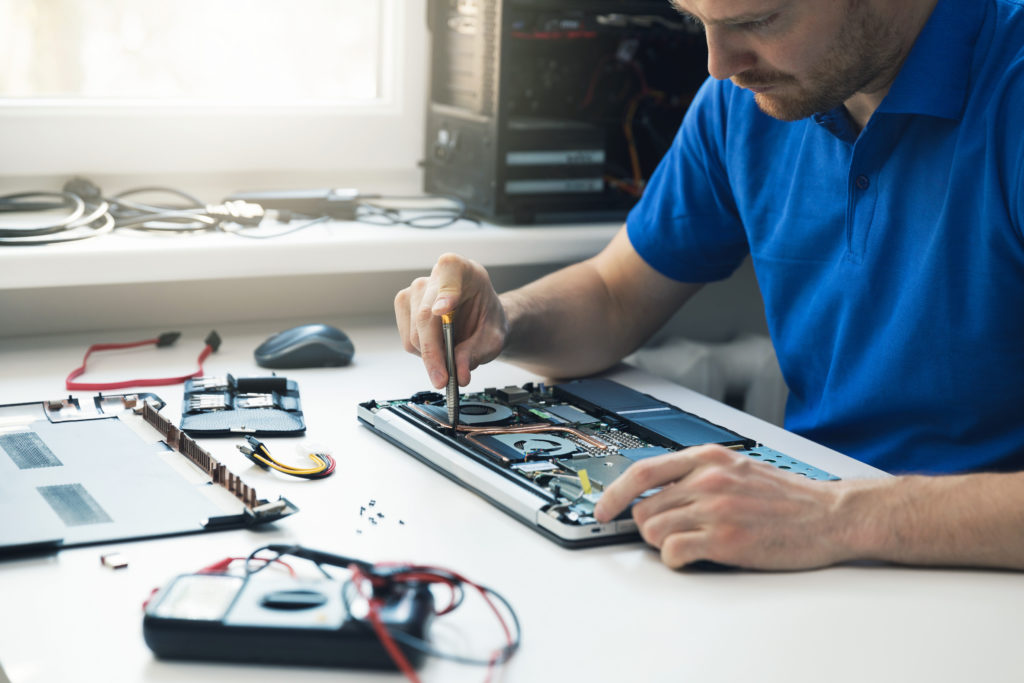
(166, 339)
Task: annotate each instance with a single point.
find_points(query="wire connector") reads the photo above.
(251, 450)
(256, 451)
(84, 188)
(167, 338)
(237, 211)
(213, 340)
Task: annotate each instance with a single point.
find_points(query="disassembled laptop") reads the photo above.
(545, 453)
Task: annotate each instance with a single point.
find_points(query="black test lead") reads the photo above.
(452, 397)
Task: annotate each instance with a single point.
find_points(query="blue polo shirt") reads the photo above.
(891, 262)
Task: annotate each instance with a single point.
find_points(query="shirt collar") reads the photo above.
(934, 78)
(837, 121)
(936, 74)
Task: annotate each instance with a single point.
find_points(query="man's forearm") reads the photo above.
(969, 520)
(588, 316)
(561, 325)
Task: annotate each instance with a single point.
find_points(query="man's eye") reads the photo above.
(761, 23)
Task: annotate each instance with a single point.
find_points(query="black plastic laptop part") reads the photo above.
(229, 406)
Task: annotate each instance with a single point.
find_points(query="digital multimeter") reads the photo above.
(282, 620)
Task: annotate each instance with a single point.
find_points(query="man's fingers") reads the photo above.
(642, 476)
(668, 498)
(448, 278)
(679, 533)
(433, 353)
(442, 293)
(402, 319)
(455, 285)
(406, 304)
(684, 547)
(425, 332)
(658, 472)
(464, 363)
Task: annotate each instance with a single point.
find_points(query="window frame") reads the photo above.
(53, 137)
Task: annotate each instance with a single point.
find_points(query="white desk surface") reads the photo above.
(604, 614)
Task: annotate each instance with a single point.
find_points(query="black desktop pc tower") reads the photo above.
(555, 110)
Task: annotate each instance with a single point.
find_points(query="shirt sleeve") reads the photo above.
(686, 226)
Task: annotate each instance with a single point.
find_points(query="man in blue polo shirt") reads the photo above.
(869, 156)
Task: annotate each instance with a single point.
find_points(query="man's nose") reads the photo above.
(728, 54)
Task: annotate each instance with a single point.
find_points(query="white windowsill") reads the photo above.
(330, 248)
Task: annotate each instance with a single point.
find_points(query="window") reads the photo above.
(122, 86)
(226, 52)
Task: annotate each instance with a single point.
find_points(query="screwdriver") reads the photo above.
(447, 323)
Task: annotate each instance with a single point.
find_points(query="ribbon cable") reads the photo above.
(166, 339)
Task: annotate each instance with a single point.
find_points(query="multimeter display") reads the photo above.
(199, 596)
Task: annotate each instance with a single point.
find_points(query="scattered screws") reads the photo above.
(376, 518)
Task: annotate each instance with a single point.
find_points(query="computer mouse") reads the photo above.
(306, 346)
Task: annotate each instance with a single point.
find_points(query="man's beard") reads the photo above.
(867, 47)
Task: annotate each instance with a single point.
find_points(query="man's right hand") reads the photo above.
(463, 287)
